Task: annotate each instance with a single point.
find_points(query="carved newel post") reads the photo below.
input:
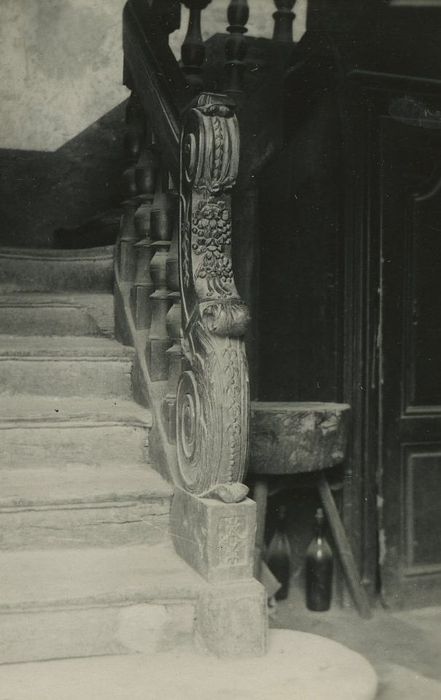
(213, 396)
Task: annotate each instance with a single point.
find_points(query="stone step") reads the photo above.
(49, 270)
(84, 506)
(63, 433)
(65, 366)
(36, 313)
(89, 602)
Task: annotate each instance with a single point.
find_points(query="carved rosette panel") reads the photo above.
(213, 394)
(232, 541)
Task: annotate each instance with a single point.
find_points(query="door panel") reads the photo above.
(423, 308)
(410, 411)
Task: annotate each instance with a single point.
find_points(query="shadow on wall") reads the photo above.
(42, 193)
(61, 65)
(62, 69)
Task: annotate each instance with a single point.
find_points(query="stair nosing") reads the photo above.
(46, 423)
(124, 601)
(73, 504)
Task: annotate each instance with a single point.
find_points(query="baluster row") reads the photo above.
(132, 146)
(148, 245)
(162, 219)
(148, 255)
(146, 174)
(193, 48)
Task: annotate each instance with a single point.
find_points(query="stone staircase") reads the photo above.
(86, 563)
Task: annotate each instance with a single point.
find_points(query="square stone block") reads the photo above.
(215, 538)
(231, 619)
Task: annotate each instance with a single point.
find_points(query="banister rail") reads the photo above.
(176, 298)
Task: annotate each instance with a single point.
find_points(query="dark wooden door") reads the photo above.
(410, 366)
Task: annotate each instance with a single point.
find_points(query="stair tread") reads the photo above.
(80, 484)
(98, 306)
(23, 408)
(61, 578)
(63, 346)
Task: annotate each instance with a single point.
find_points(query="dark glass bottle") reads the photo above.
(319, 565)
(278, 555)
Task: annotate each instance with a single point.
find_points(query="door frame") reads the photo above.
(365, 99)
(361, 373)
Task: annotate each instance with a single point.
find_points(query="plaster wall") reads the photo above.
(62, 62)
(61, 69)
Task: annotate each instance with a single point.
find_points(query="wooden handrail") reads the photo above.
(152, 72)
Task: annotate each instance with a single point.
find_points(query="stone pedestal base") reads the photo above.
(231, 620)
(217, 540)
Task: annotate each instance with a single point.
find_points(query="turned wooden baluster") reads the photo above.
(161, 228)
(174, 323)
(145, 176)
(132, 147)
(236, 46)
(193, 49)
(283, 20)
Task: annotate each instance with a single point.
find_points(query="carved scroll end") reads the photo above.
(210, 145)
(227, 493)
(228, 320)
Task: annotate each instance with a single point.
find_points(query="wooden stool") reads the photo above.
(300, 438)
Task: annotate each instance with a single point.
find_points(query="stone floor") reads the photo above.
(298, 665)
(403, 647)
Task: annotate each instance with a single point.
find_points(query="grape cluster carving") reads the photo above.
(211, 235)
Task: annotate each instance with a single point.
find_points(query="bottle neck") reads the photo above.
(281, 518)
(319, 524)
